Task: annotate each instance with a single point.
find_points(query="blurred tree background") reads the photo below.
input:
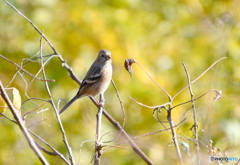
(160, 35)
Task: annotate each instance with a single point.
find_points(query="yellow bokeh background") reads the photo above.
(160, 35)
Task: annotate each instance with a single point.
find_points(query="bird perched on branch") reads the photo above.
(97, 78)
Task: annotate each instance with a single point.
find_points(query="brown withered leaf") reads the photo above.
(128, 63)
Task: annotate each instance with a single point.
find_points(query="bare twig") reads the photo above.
(64, 64)
(35, 27)
(45, 151)
(56, 112)
(171, 100)
(24, 69)
(169, 96)
(24, 64)
(170, 107)
(33, 111)
(74, 77)
(20, 123)
(218, 95)
(42, 66)
(174, 135)
(98, 145)
(36, 123)
(9, 118)
(33, 98)
(199, 76)
(55, 153)
(195, 117)
(121, 103)
(127, 137)
(128, 66)
(151, 107)
(151, 133)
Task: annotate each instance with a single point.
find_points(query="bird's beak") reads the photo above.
(108, 57)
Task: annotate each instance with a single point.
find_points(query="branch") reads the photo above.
(74, 77)
(217, 92)
(199, 76)
(8, 118)
(128, 63)
(121, 103)
(195, 117)
(64, 64)
(98, 145)
(151, 133)
(35, 27)
(19, 67)
(174, 135)
(56, 112)
(55, 153)
(20, 123)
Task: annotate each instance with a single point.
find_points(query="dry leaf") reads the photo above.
(3, 105)
(218, 95)
(128, 63)
(16, 99)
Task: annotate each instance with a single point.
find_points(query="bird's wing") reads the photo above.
(93, 75)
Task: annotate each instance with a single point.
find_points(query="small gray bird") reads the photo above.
(97, 78)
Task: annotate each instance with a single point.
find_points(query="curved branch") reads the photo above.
(199, 76)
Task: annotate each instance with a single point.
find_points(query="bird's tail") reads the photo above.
(68, 104)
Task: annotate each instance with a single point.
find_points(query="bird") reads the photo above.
(97, 78)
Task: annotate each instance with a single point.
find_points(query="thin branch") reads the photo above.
(98, 145)
(170, 108)
(74, 77)
(19, 67)
(48, 152)
(8, 118)
(151, 107)
(80, 150)
(71, 158)
(195, 117)
(151, 133)
(45, 151)
(174, 135)
(34, 98)
(199, 76)
(24, 64)
(169, 96)
(121, 103)
(64, 64)
(33, 111)
(157, 118)
(35, 27)
(134, 146)
(36, 123)
(42, 66)
(215, 90)
(20, 123)
(116, 124)
(115, 138)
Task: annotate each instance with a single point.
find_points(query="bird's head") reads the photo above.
(104, 55)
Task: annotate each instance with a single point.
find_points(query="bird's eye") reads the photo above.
(102, 55)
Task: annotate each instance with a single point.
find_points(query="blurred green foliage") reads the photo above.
(160, 35)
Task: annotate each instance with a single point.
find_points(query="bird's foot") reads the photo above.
(101, 104)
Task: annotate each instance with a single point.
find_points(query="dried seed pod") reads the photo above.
(128, 63)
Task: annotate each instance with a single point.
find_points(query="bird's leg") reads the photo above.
(101, 101)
